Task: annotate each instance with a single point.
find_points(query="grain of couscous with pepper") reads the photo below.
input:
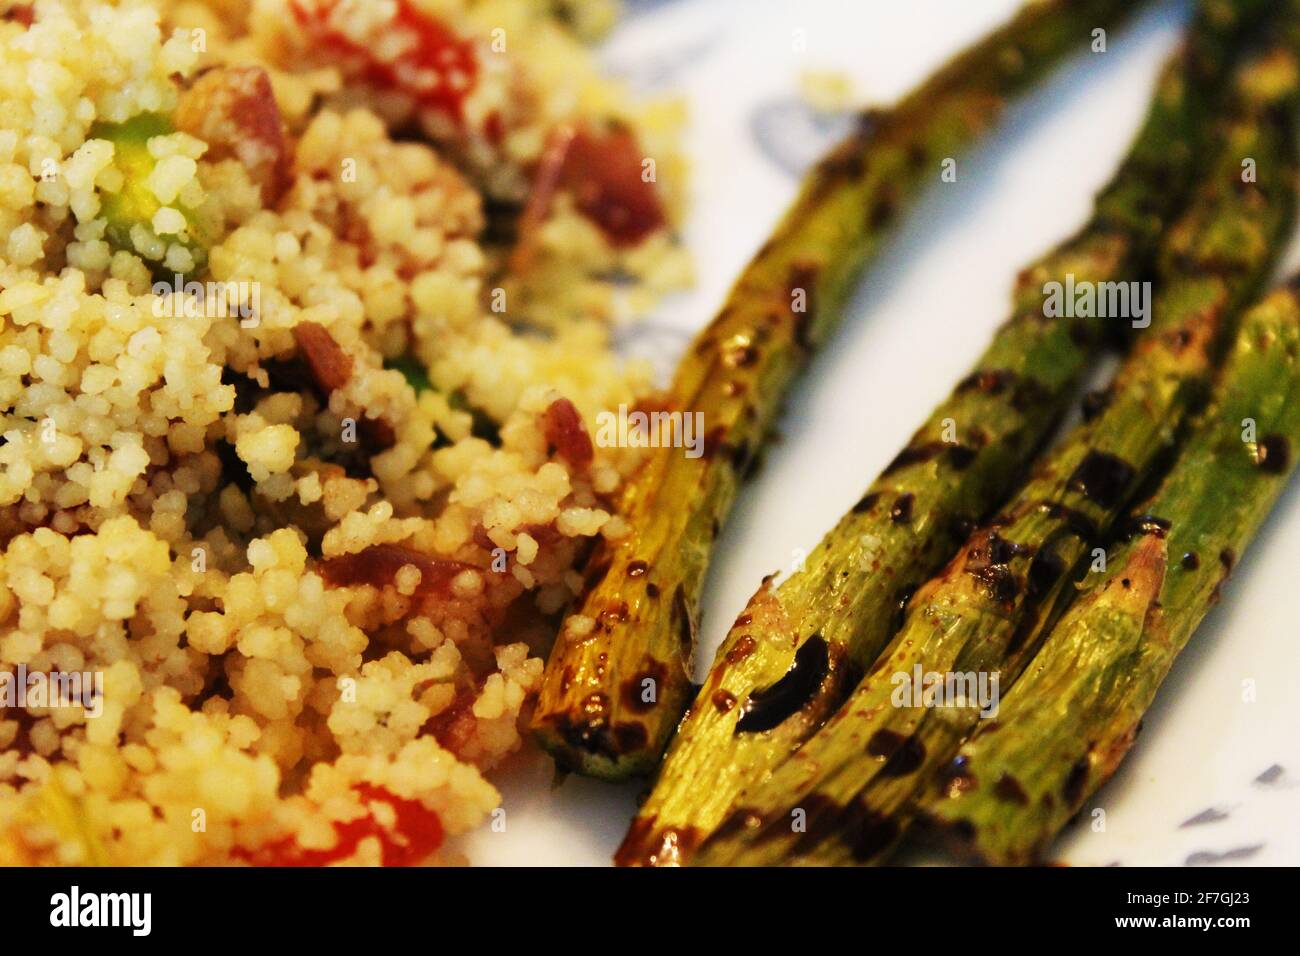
(304, 321)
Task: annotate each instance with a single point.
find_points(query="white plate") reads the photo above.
(923, 315)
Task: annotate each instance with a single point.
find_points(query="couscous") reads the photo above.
(304, 314)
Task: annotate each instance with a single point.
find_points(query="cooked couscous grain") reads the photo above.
(299, 351)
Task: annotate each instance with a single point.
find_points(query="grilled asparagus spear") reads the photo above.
(956, 467)
(845, 795)
(619, 675)
(1068, 723)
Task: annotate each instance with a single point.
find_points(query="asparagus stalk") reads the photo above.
(845, 795)
(1068, 723)
(838, 611)
(619, 675)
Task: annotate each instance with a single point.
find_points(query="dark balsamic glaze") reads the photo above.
(634, 688)
(1008, 788)
(901, 597)
(867, 503)
(1103, 478)
(866, 831)
(1273, 454)
(989, 563)
(771, 705)
(1080, 525)
(961, 456)
(902, 755)
(914, 455)
(741, 649)
(1074, 783)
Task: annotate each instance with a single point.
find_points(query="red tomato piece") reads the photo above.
(331, 367)
(434, 65)
(233, 110)
(378, 565)
(565, 430)
(416, 833)
(604, 173)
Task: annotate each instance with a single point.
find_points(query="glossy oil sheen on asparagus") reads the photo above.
(1068, 722)
(619, 676)
(845, 796)
(784, 665)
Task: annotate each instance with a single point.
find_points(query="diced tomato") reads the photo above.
(435, 66)
(603, 172)
(454, 726)
(494, 128)
(565, 430)
(331, 367)
(378, 565)
(233, 110)
(416, 833)
(547, 180)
